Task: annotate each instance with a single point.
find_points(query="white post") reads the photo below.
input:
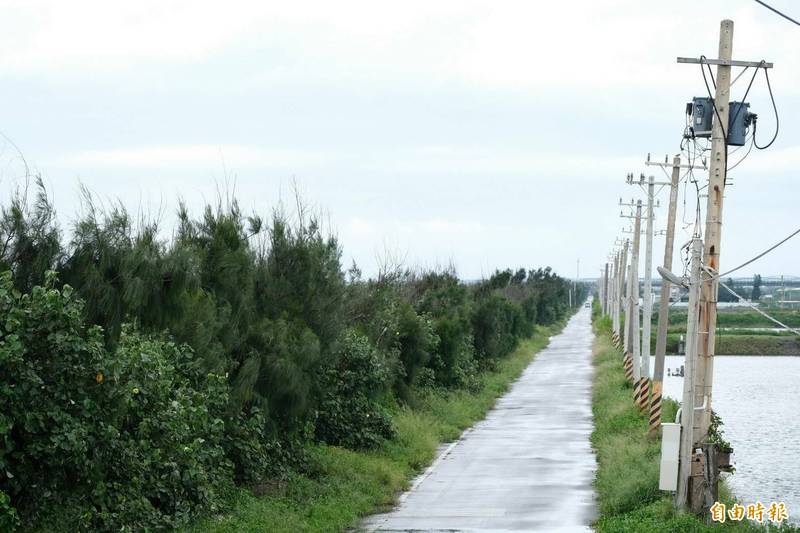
(689, 369)
(635, 341)
(647, 313)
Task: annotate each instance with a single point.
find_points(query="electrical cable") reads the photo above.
(746, 92)
(777, 118)
(755, 307)
(738, 110)
(759, 256)
(787, 17)
(711, 96)
(752, 143)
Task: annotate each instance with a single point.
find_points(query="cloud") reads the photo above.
(204, 156)
(513, 44)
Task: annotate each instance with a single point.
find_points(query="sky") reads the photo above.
(485, 134)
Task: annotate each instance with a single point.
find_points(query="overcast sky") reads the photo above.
(486, 134)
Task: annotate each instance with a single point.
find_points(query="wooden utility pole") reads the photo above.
(712, 237)
(687, 405)
(700, 487)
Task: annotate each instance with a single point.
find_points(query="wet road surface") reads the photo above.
(528, 466)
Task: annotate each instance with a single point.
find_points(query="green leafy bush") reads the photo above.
(497, 324)
(49, 397)
(162, 454)
(447, 302)
(417, 344)
(248, 345)
(132, 437)
(350, 414)
(9, 520)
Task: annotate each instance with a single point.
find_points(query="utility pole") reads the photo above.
(632, 320)
(619, 269)
(615, 298)
(647, 316)
(663, 310)
(689, 366)
(623, 296)
(700, 487)
(643, 384)
(605, 290)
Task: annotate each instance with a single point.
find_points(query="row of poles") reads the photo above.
(620, 292)
(698, 472)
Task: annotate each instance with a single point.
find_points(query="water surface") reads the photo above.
(757, 399)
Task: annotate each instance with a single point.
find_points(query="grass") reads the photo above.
(628, 457)
(744, 343)
(347, 485)
(738, 339)
(729, 318)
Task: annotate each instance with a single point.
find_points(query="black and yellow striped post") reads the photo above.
(627, 363)
(644, 394)
(655, 407)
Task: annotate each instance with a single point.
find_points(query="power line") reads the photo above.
(755, 307)
(777, 120)
(759, 256)
(787, 17)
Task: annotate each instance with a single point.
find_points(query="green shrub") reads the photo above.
(448, 303)
(417, 343)
(9, 520)
(248, 346)
(497, 325)
(161, 458)
(49, 398)
(130, 438)
(349, 414)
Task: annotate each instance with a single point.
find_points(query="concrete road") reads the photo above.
(528, 466)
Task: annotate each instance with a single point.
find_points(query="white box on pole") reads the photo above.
(670, 447)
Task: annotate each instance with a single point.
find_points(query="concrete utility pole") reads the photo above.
(605, 290)
(689, 366)
(619, 269)
(647, 315)
(614, 294)
(642, 383)
(632, 320)
(624, 308)
(699, 486)
(663, 310)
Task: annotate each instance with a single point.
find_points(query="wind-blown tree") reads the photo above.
(242, 332)
(447, 301)
(123, 271)
(29, 237)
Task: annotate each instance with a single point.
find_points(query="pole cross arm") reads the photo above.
(670, 165)
(725, 62)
